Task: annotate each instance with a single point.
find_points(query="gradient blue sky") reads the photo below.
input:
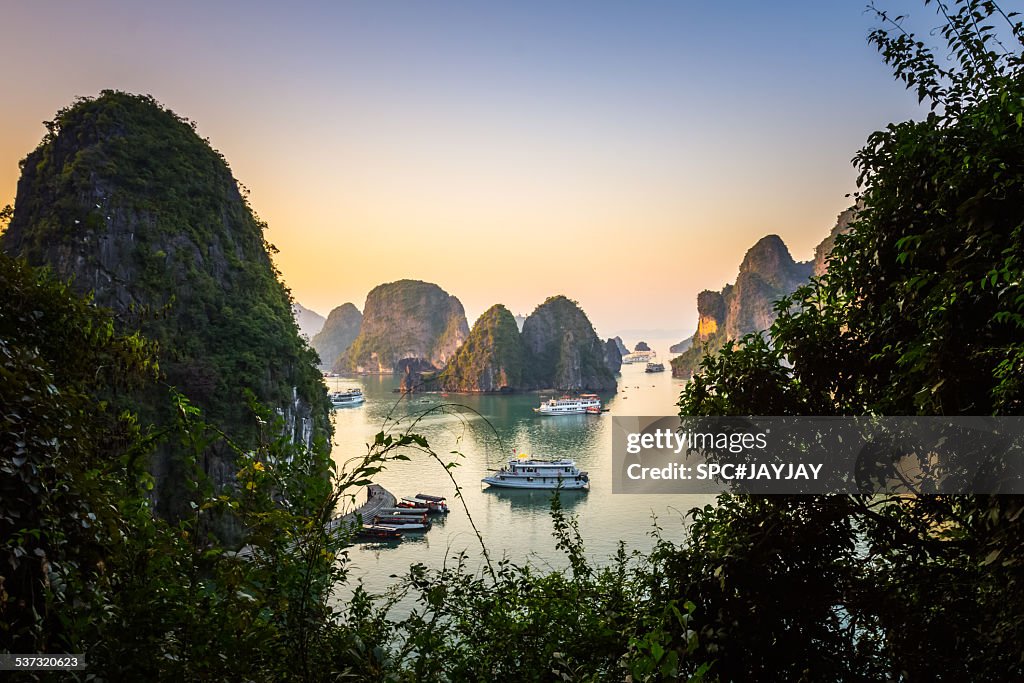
(624, 154)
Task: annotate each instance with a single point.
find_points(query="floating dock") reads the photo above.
(377, 498)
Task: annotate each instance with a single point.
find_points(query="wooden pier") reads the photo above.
(377, 498)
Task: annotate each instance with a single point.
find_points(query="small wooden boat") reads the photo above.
(404, 510)
(403, 522)
(436, 505)
(374, 532)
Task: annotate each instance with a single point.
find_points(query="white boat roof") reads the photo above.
(530, 461)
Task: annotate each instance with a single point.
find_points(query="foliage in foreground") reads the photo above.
(921, 313)
(86, 567)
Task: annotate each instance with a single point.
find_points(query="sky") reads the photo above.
(623, 154)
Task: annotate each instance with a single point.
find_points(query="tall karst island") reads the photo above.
(767, 273)
(407, 325)
(557, 349)
(126, 200)
(337, 334)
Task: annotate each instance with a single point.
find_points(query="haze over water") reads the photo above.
(514, 524)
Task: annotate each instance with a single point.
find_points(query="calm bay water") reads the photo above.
(514, 524)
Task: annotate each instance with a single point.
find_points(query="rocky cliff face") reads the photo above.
(563, 350)
(767, 273)
(558, 349)
(309, 322)
(621, 346)
(407, 319)
(612, 356)
(491, 360)
(681, 346)
(126, 200)
(339, 331)
(842, 226)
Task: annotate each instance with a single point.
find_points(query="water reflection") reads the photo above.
(536, 500)
(487, 431)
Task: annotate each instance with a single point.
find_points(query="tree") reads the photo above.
(68, 453)
(921, 313)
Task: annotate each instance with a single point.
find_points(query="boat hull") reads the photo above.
(347, 403)
(515, 483)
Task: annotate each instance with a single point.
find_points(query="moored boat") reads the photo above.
(655, 367)
(401, 510)
(403, 522)
(528, 473)
(373, 532)
(349, 397)
(435, 505)
(569, 405)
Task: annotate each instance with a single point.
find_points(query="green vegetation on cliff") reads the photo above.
(338, 333)
(492, 359)
(563, 350)
(123, 197)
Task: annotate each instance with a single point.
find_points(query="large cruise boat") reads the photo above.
(349, 397)
(570, 406)
(526, 473)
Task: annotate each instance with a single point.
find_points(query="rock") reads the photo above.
(403, 320)
(641, 346)
(612, 356)
(767, 273)
(621, 346)
(681, 346)
(491, 360)
(563, 351)
(558, 349)
(842, 226)
(125, 199)
(417, 375)
(338, 333)
(309, 322)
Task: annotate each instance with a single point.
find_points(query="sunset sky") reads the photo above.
(623, 154)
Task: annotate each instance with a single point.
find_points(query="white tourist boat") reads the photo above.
(349, 397)
(527, 473)
(569, 406)
(638, 357)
